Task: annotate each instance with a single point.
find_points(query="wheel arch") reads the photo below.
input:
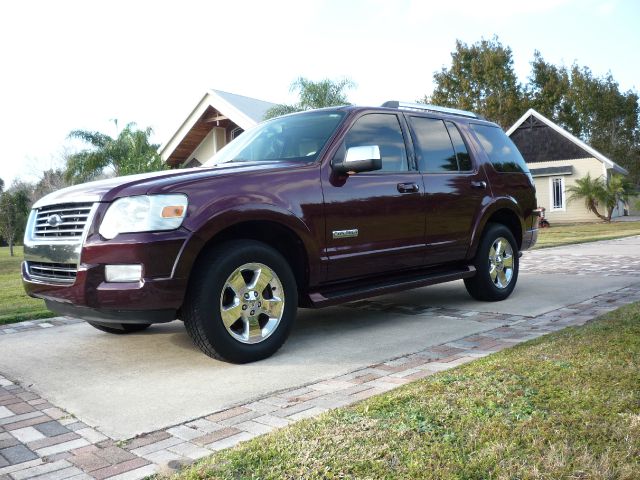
(504, 211)
(284, 232)
(275, 234)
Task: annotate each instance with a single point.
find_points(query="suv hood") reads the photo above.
(140, 184)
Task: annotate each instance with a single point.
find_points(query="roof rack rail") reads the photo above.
(428, 108)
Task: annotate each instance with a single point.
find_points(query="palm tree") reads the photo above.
(591, 191)
(618, 190)
(324, 93)
(597, 192)
(130, 152)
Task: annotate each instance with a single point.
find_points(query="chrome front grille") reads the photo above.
(53, 272)
(63, 221)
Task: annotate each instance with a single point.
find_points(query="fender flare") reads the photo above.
(496, 204)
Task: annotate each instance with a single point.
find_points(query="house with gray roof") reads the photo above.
(556, 159)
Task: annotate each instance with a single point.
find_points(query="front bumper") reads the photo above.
(156, 298)
(106, 317)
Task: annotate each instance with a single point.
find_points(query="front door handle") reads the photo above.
(408, 187)
(480, 184)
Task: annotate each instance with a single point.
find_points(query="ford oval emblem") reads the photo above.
(54, 220)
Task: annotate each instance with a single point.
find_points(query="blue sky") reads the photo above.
(78, 64)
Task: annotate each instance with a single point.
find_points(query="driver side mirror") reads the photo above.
(365, 158)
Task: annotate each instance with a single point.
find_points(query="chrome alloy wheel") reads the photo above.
(252, 303)
(501, 262)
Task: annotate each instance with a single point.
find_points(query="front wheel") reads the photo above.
(241, 302)
(496, 265)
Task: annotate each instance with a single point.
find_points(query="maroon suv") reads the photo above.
(310, 209)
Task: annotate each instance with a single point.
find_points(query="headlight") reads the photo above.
(144, 213)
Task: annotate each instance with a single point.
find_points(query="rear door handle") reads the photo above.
(408, 187)
(480, 184)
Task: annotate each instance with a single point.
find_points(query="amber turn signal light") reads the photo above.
(173, 211)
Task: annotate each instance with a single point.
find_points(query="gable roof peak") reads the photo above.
(610, 164)
(244, 111)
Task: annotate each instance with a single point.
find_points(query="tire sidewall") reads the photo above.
(221, 264)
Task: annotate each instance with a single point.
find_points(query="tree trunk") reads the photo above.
(10, 246)
(594, 209)
(609, 214)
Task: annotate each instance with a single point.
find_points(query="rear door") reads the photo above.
(375, 220)
(454, 187)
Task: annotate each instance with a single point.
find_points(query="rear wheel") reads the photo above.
(241, 302)
(120, 328)
(496, 265)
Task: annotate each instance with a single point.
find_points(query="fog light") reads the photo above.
(123, 273)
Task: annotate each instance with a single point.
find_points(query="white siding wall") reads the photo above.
(574, 211)
(220, 137)
(213, 142)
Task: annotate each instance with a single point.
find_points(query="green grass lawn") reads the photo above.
(585, 232)
(564, 406)
(15, 305)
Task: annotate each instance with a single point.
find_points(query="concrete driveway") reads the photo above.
(127, 385)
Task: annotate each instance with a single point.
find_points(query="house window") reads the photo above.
(236, 132)
(557, 193)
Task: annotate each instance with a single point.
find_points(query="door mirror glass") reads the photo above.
(365, 158)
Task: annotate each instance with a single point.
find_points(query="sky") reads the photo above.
(67, 65)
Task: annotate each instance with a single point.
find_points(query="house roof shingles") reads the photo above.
(538, 142)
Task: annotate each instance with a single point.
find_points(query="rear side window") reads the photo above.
(382, 129)
(434, 148)
(439, 146)
(502, 152)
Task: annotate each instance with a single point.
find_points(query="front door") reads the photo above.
(375, 220)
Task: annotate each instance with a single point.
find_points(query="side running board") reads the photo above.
(337, 295)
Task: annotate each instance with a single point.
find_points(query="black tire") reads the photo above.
(482, 286)
(202, 307)
(121, 328)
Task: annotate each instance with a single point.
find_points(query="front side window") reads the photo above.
(294, 138)
(557, 193)
(502, 152)
(382, 129)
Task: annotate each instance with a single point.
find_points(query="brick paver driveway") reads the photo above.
(46, 438)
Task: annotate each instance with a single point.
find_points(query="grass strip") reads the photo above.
(566, 405)
(15, 304)
(585, 232)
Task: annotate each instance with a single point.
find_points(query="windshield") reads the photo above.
(297, 138)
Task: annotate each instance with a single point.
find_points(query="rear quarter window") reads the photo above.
(502, 152)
